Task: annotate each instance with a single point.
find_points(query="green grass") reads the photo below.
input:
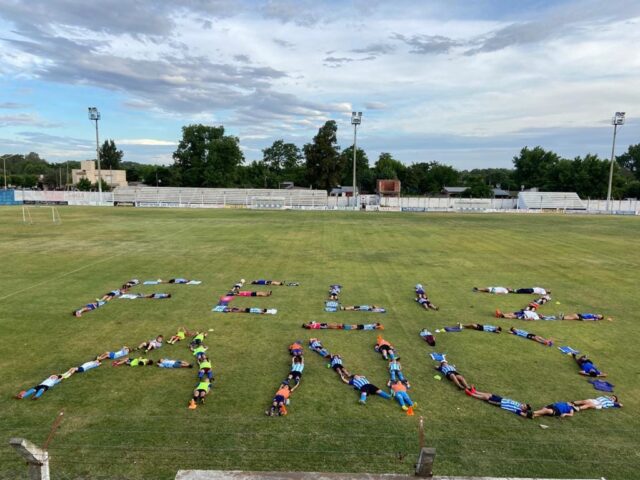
(133, 423)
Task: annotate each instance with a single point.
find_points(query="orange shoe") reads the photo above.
(192, 405)
(498, 313)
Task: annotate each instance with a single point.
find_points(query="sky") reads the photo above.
(463, 83)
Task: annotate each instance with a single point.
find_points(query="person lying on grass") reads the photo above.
(450, 372)
(123, 352)
(295, 349)
(480, 327)
(587, 368)
(181, 334)
(131, 283)
(395, 371)
(39, 389)
(362, 384)
(335, 363)
(584, 317)
(524, 315)
(533, 306)
(428, 337)
(531, 336)
(607, 401)
(200, 352)
(260, 311)
(201, 391)
(558, 409)
(205, 369)
(280, 400)
(316, 346)
(87, 308)
(133, 362)
(532, 290)
(362, 308)
(494, 290)
(152, 344)
(196, 341)
(295, 375)
(425, 303)
(361, 326)
(522, 409)
(322, 326)
(170, 363)
(334, 292)
(268, 282)
(111, 295)
(384, 348)
(85, 367)
(399, 392)
(247, 293)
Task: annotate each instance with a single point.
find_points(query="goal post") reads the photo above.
(40, 212)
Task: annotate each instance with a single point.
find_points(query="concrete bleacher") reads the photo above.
(550, 201)
(218, 197)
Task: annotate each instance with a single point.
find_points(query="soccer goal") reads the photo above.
(33, 213)
(267, 203)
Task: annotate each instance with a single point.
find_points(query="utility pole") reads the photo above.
(94, 115)
(618, 119)
(356, 119)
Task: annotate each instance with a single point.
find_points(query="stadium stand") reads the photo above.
(220, 197)
(550, 201)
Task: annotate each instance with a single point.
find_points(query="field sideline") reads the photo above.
(133, 423)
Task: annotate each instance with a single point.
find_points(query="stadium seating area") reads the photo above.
(219, 197)
(550, 201)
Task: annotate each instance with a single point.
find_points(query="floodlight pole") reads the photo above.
(356, 119)
(618, 119)
(94, 115)
(4, 169)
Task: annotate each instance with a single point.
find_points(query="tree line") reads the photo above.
(207, 157)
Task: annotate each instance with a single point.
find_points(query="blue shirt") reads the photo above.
(394, 366)
(606, 402)
(563, 407)
(589, 367)
(297, 367)
(520, 333)
(336, 361)
(489, 328)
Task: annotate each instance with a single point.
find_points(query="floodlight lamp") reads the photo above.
(94, 114)
(356, 118)
(618, 118)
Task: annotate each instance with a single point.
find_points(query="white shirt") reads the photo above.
(539, 291)
(529, 315)
(498, 290)
(51, 381)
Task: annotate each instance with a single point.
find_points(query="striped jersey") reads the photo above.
(489, 328)
(359, 382)
(394, 366)
(336, 361)
(520, 333)
(297, 367)
(315, 344)
(605, 402)
(511, 405)
(446, 369)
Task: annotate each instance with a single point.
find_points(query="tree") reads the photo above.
(630, 160)
(324, 165)
(533, 167)
(388, 167)
(477, 189)
(365, 179)
(281, 157)
(110, 156)
(206, 157)
(84, 185)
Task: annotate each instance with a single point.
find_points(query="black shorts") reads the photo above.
(337, 366)
(530, 336)
(254, 294)
(556, 412)
(495, 399)
(42, 387)
(524, 290)
(455, 372)
(279, 399)
(384, 348)
(479, 327)
(295, 375)
(369, 389)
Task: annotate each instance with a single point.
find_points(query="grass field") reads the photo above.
(133, 423)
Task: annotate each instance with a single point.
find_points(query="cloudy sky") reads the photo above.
(462, 83)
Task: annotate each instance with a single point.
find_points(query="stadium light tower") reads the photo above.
(618, 119)
(94, 115)
(356, 119)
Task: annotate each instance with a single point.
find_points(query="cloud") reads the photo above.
(283, 43)
(12, 105)
(427, 44)
(242, 58)
(375, 106)
(22, 119)
(376, 49)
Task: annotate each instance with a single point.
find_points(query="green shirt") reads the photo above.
(206, 364)
(204, 386)
(199, 350)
